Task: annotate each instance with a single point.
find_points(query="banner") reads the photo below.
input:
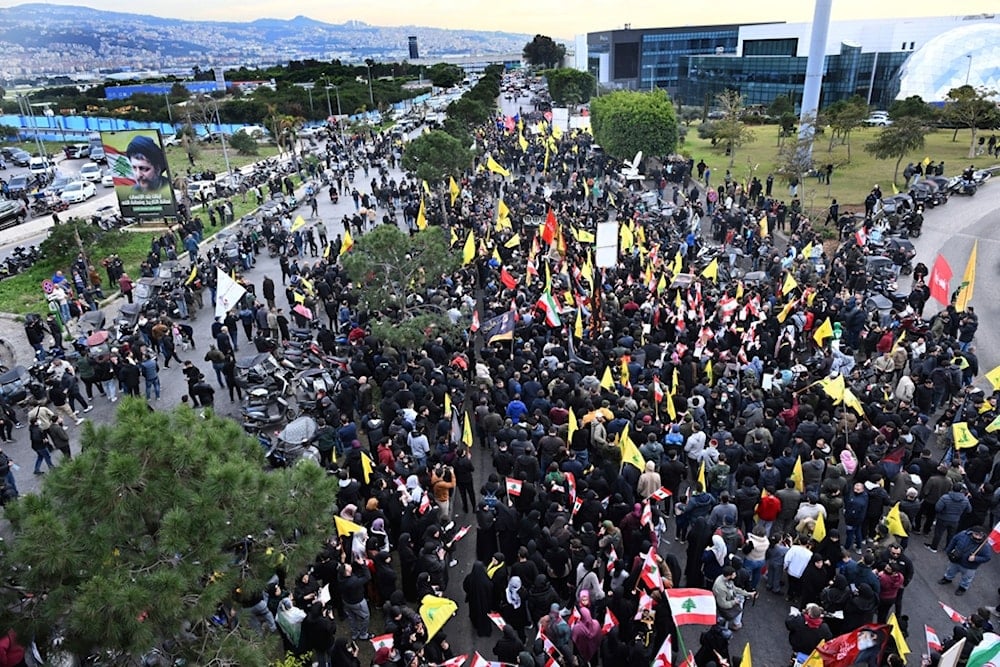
(940, 281)
(138, 165)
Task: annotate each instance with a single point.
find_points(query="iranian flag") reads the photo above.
(986, 653)
(513, 486)
(548, 306)
(691, 606)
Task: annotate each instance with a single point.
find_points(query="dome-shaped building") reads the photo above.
(970, 54)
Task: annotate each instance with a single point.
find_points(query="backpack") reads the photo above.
(490, 498)
(731, 536)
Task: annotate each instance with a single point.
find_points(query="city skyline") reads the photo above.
(526, 16)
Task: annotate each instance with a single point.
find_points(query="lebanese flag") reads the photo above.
(952, 614)
(612, 558)
(457, 661)
(382, 641)
(994, 537)
(691, 606)
(571, 483)
(509, 281)
(933, 641)
(647, 515)
(549, 230)
(645, 604)
(574, 618)
(577, 504)
(609, 621)
(860, 237)
(940, 281)
(480, 661)
(474, 327)
(651, 572)
(425, 504)
(664, 657)
(728, 306)
(498, 620)
(657, 391)
(513, 487)
(661, 493)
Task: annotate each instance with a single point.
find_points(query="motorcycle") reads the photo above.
(962, 186)
(264, 409)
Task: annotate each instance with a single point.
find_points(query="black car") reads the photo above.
(19, 157)
(12, 212)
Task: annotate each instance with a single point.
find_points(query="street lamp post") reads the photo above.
(371, 95)
(222, 137)
(329, 109)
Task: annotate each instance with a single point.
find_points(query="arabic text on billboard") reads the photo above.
(142, 180)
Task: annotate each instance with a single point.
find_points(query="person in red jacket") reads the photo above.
(768, 509)
(11, 653)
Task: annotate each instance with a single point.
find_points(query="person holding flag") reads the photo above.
(966, 552)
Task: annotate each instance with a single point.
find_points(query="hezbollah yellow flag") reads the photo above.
(502, 210)
(513, 241)
(897, 635)
(894, 523)
(968, 281)
(496, 167)
(453, 189)
(467, 431)
(522, 142)
(764, 231)
(712, 270)
(367, 467)
(578, 325)
(786, 310)
(819, 530)
(807, 251)
(345, 527)
(851, 401)
(435, 612)
(607, 382)
(671, 408)
(823, 332)
(447, 405)
(815, 659)
(192, 275)
(299, 223)
(678, 264)
(427, 188)
(994, 377)
(797, 475)
(993, 425)
(627, 238)
(739, 290)
(631, 453)
(710, 372)
(834, 388)
(469, 250)
(572, 427)
(745, 660)
(347, 243)
(454, 239)
(963, 436)
(422, 215)
(588, 272)
(625, 379)
(701, 475)
(788, 285)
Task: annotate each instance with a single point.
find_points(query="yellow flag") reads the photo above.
(788, 285)
(968, 281)
(627, 238)
(963, 436)
(496, 167)
(453, 189)
(557, 132)
(607, 382)
(454, 239)
(712, 270)
(299, 223)
(347, 243)
(626, 380)
(192, 275)
(797, 475)
(367, 467)
(588, 272)
(710, 373)
(345, 527)
(993, 425)
(897, 635)
(583, 236)
(427, 189)
(823, 332)
(895, 190)
(502, 210)
(894, 523)
(513, 241)
(815, 659)
(701, 475)
(447, 405)
(745, 660)
(548, 278)
(786, 311)
(819, 530)
(522, 142)
(435, 612)
(678, 265)
(994, 377)
(469, 250)
(661, 284)
(834, 387)
(671, 408)
(572, 427)
(422, 215)
(631, 453)
(764, 231)
(578, 325)
(739, 290)
(467, 431)
(807, 251)
(851, 401)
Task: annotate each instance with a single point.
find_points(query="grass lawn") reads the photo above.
(852, 179)
(210, 157)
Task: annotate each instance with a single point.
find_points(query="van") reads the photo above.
(40, 166)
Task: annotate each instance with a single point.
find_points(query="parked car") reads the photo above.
(40, 166)
(91, 172)
(12, 212)
(171, 140)
(878, 120)
(254, 131)
(108, 179)
(58, 185)
(78, 191)
(19, 157)
(212, 137)
(20, 183)
(77, 151)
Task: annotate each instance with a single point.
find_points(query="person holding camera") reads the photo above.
(729, 599)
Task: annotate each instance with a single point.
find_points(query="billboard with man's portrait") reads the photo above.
(138, 164)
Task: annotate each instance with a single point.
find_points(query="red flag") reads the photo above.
(609, 621)
(509, 281)
(474, 327)
(549, 231)
(994, 537)
(933, 641)
(940, 281)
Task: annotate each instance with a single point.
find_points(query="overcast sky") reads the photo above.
(558, 18)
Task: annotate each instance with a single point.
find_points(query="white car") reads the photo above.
(171, 140)
(78, 191)
(39, 166)
(108, 179)
(91, 172)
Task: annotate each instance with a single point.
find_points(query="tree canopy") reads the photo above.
(569, 87)
(390, 268)
(912, 107)
(444, 75)
(436, 155)
(843, 117)
(625, 122)
(543, 51)
(730, 130)
(972, 108)
(163, 516)
(898, 140)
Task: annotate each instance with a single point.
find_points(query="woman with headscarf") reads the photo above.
(586, 637)
(359, 544)
(344, 653)
(378, 539)
(407, 566)
(509, 645)
(478, 589)
(713, 558)
(588, 578)
(860, 608)
(486, 535)
(698, 538)
(384, 576)
(513, 607)
(541, 595)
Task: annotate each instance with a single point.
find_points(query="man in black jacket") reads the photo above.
(352, 580)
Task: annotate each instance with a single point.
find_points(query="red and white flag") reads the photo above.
(933, 641)
(577, 504)
(574, 618)
(480, 661)
(661, 493)
(474, 327)
(645, 604)
(691, 606)
(382, 641)
(498, 620)
(462, 532)
(571, 483)
(861, 237)
(994, 537)
(612, 558)
(952, 614)
(940, 281)
(664, 657)
(651, 573)
(609, 621)
(550, 662)
(657, 391)
(425, 504)
(647, 514)
(457, 661)
(513, 487)
(689, 662)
